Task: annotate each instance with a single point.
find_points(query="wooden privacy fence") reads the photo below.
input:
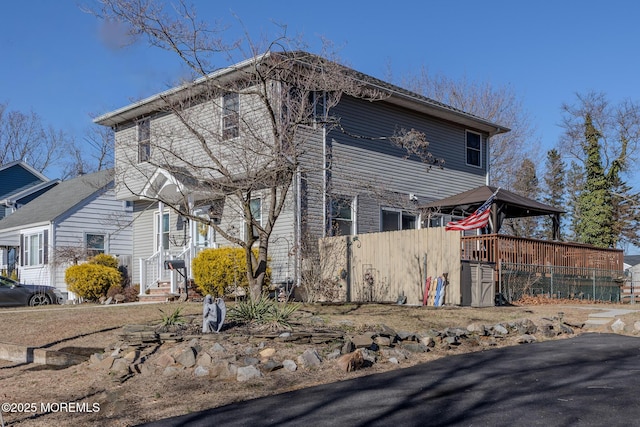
(381, 267)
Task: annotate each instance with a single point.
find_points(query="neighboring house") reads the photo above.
(19, 184)
(351, 181)
(72, 221)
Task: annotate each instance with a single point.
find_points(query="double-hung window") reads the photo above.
(144, 140)
(342, 216)
(33, 249)
(95, 244)
(474, 149)
(162, 231)
(230, 115)
(256, 212)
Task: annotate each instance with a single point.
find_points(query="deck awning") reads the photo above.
(506, 204)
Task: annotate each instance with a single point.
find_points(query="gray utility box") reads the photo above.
(477, 284)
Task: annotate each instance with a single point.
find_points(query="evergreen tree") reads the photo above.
(602, 136)
(554, 184)
(595, 224)
(526, 184)
(574, 185)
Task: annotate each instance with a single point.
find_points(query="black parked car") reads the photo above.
(13, 293)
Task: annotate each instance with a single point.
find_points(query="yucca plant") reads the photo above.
(172, 319)
(263, 311)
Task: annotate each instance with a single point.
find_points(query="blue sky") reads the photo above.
(54, 60)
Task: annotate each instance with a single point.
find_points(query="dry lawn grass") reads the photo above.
(145, 398)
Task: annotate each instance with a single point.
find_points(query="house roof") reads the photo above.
(59, 200)
(18, 177)
(398, 96)
(512, 205)
(632, 260)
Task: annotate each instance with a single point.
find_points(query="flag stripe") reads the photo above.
(478, 219)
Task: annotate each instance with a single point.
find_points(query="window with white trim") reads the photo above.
(144, 140)
(256, 212)
(95, 244)
(230, 115)
(342, 216)
(473, 148)
(162, 231)
(396, 219)
(34, 249)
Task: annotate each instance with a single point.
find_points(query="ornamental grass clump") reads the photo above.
(263, 312)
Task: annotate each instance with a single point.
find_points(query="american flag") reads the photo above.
(478, 219)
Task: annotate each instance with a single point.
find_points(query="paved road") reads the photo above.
(589, 380)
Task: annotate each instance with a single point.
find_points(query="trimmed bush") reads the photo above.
(106, 260)
(215, 270)
(91, 281)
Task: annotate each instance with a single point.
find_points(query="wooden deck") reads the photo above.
(517, 250)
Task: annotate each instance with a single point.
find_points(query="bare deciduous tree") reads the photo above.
(286, 96)
(25, 137)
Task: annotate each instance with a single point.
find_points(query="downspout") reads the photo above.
(486, 159)
(52, 239)
(324, 182)
(298, 228)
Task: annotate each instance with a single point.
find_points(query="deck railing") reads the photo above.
(518, 250)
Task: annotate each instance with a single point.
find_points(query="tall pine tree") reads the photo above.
(554, 187)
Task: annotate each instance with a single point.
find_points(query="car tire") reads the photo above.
(39, 299)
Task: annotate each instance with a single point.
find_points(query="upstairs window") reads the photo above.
(318, 103)
(474, 149)
(144, 140)
(230, 116)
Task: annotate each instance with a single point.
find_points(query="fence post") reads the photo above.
(593, 272)
(551, 285)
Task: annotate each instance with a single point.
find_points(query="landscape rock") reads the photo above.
(270, 366)
(500, 329)
(187, 357)
(526, 339)
(362, 340)
(201, 371)
(267, 352)
(310, 357)
(351, 362)
(204, 360)
(618, 326)
(476, 328)
(289, 365)
(246, 373)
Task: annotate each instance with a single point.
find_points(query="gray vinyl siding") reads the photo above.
(181, 148)
(380, 174)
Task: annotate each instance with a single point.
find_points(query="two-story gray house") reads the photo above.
(351, 177)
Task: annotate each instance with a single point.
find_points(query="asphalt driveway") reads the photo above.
(589, 380)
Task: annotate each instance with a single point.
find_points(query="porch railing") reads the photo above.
(518, 250)
(152, 269)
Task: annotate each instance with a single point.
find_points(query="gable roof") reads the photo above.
(59, 200)
(512, 205)
(17, 177)
(398, 96)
